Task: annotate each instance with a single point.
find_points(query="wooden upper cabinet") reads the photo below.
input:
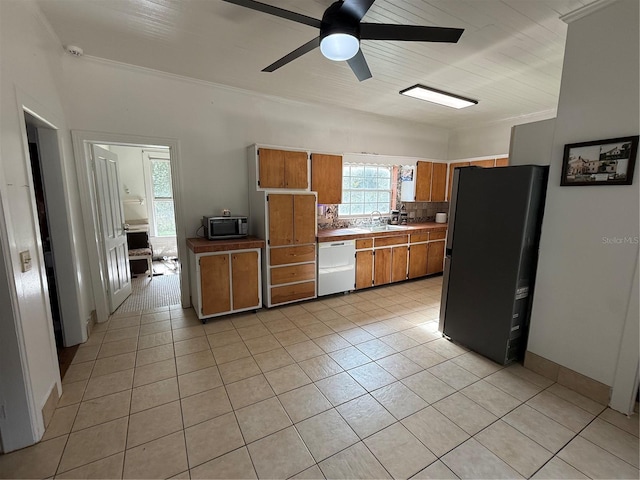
(502, 162)
(424, 172)
(280, 219)
(484, 163)
(439, 182)
(326, 178)
(282, 169)
(295, 170)
(292, 219)
(452, 167)
(304, 219)
(245, 270)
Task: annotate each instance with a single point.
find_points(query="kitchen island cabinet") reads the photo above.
(225, 275)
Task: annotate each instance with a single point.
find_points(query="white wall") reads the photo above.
(29, 69)
(132, 175)
(487, 140)
(215, 125)
(532, 143)
(583, 288)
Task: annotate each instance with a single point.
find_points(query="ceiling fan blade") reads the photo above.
(359, 66)
(278, 12)
(409, 33)
(298, 52)
(357, 8)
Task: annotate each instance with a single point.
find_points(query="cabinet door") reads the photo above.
(424, 171)
(484, 163)
(295, 170)
(326, 178)
(280, 219)
(453, 166)
(244, 279)
(439, 182)
(398, 264)
(304, 219)
(382, 266)
(435, 261)
(271, 168)
(215, 284)
(418, 260)
(502, 162)
(364, 269)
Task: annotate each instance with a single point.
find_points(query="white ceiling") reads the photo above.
(509, 57)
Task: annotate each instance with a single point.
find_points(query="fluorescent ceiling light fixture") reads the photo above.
(438, 96)
(339, 46)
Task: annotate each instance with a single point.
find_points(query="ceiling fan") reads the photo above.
(341, 30)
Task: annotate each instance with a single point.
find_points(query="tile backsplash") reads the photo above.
(417, 212)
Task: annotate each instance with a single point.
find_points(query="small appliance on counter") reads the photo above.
(395, 217)
(403, 216)
(441, 218)
(225, 227)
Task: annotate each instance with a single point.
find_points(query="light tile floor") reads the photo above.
(353, 386)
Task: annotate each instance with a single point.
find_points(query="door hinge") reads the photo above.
(267, 195)
(258, 152)
(268, 242)
(374, 253)
(259, 184)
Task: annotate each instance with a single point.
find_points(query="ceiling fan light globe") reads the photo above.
(339, 46)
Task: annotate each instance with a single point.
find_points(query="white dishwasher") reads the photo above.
(336, 267)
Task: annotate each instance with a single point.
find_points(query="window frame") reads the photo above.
(390, 190)
(150, 156)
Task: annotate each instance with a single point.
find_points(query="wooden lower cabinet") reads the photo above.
(245, 270)
(364, 269)
(390, 265)
(227, 282)
(215, 287)
(435, 260)
(399, 264)
(418, 260)
(291, 293)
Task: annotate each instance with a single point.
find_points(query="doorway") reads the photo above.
(148, 292)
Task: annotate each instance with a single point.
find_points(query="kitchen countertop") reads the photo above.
(354, 233)
(202, 245)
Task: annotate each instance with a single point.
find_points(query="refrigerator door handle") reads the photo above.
(452, 208)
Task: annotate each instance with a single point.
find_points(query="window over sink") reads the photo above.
(366, 188)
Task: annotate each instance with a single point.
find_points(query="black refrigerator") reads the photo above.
(495, 215)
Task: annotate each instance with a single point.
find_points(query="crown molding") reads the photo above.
(586, 10)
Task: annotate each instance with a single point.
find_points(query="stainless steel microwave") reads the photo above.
(216, 228)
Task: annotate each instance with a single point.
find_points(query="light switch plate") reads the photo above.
(25, 260)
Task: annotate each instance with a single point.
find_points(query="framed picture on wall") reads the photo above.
(601, 162)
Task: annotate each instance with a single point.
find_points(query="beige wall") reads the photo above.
(584, 286)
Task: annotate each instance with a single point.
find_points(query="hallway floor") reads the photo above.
(351, 386)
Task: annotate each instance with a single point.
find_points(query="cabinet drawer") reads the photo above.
(386, 241)
(419, 237)
(364, 243)
(287, 255)
(294, 273)
(437, 235)
(289, 293)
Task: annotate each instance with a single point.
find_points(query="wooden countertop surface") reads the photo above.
(202, 245)
(353, 233)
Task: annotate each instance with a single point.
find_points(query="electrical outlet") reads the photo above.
(25, 261)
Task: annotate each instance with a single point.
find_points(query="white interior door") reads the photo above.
(112, 233)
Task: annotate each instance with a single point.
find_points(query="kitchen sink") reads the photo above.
(386, 228)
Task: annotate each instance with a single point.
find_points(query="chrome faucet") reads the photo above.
(379, 217)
